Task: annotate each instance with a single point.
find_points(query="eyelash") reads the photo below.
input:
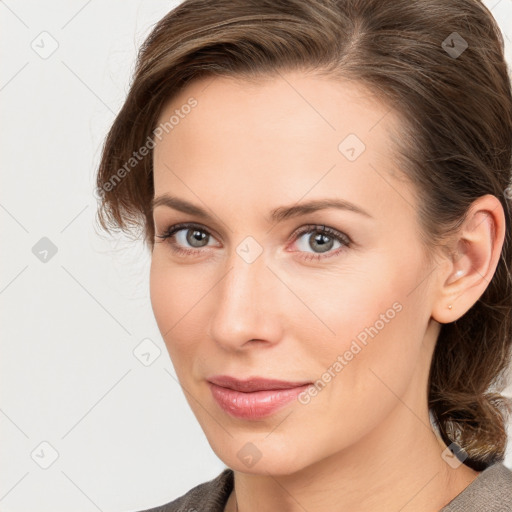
(310, 228)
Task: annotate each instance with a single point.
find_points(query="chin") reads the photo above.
(270, 466)
(261, 457)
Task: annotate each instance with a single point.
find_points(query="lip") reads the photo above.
(255, 397)
(254, 383)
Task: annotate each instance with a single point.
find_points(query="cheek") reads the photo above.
(173, 297)
(377, 318)
(358, 381)
(160, 293)
(347, 304)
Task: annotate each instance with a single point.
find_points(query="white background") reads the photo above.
(124, 434)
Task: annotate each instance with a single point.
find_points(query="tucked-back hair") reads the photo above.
(454, 145)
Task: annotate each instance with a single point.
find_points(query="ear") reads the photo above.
(469, 268)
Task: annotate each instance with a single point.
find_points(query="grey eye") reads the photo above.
(319, 243)
(193, 236)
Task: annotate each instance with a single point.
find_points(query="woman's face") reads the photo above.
(259, 295)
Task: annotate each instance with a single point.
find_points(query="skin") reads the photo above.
(364, 443)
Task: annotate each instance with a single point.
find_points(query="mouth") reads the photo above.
(253, 398)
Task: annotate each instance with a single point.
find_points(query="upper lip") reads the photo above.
(253, 383)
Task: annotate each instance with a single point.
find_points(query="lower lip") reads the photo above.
(255, 405)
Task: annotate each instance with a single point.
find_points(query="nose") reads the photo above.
(246, 309)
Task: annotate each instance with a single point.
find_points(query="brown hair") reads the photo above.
(455, 144)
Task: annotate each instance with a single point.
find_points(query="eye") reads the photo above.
(197, 237)
(186, 233)
(323, 241)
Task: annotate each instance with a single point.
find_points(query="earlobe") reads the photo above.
(470, 267)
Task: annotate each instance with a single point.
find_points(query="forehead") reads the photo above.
(283, 136)
(291, 103)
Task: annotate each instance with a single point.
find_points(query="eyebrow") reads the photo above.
(276, 215)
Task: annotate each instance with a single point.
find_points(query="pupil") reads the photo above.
(323, 242)
(197, 236)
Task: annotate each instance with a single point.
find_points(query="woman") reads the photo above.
(323, 186)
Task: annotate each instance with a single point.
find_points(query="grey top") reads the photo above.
(491, 491)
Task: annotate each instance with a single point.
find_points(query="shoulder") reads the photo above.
(210, 496)
(490, 491)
